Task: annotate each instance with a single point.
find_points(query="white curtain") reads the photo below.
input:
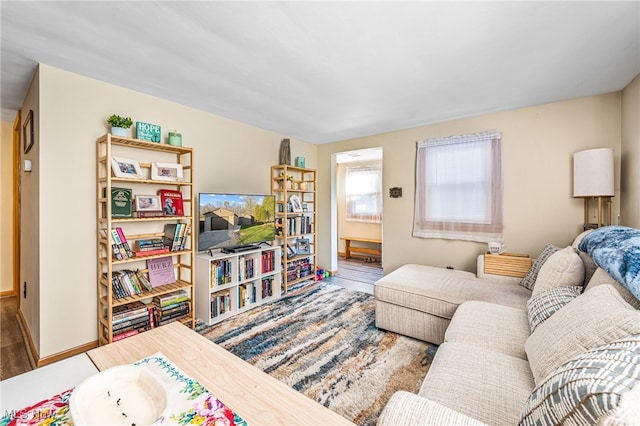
(363, 190)
(459, 188)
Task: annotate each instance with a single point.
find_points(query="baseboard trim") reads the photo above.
(34, 357)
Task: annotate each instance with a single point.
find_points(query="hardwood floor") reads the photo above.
(354, 273)
(14, 359)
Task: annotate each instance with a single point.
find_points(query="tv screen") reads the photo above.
(234, 220)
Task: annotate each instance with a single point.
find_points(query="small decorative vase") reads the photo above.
(285, 152)
(303, 186)
(294, 185)
(120, 131)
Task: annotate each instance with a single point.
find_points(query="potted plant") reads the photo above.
(119, 125)
(285, 179)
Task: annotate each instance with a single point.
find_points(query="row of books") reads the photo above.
(171, 307)
(149, 247)
(246, 294)
(220, 303)
(131, 319)
(175, 235)
(267, 287)
(127, 282)
(221, 271)
(120, 245)
(299, 269)
(296, 225)
(268, 261)
(246, 268)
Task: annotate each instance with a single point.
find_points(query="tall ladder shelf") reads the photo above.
(135, 228)
(295, 191)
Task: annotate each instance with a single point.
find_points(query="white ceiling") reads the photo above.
(328, 71)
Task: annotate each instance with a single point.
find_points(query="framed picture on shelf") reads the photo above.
(148, 203)
(302, 246)
(126, 168)
(290, 251)
(296, 205)
(166, 171)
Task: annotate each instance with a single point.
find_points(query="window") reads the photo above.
(363, 190)
(459, 188)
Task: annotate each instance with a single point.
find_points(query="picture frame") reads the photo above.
(27, 133)
(148, 203)
(167, 172)
(290, 251)
(126, 168)
(302, 246)
(296, 205)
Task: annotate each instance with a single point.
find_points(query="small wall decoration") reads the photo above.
(166, 171)
(126, 168)
(296, 205)
(27, 132)
(148, 132)
(395, 192)
(300, 162)
(302, 246)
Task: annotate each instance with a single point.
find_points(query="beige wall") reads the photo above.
(229, 157)
(6, 209)
(350, 228)
(630, 155)
(538, 144)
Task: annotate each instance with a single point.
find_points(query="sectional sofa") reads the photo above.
(560, 346)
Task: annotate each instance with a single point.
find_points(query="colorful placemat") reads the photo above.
(192, 404)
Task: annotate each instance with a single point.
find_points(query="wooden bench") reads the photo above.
(349, 249)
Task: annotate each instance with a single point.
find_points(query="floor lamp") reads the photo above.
(593, 180)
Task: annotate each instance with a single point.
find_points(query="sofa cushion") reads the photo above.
(406, 408)
(440, 291)
(600, 277)
(529, 280)
(603, 383)
(563, 268)
(499, 328)
(541, 306)
(616, 249)
(480, 383)
(594, 318)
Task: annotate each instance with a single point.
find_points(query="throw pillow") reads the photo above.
(543, 305)
(601, 386)
(594, 318)
(529, 280)
(563, 268)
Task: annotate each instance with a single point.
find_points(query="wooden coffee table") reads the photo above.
(254, 395)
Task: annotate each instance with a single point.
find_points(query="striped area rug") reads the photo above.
(321, 340)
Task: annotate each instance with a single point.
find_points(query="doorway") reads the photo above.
(357, 209)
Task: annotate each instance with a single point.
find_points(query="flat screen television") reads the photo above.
(235, 222)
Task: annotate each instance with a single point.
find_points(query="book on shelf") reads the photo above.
(126, 282)
(143, 320)
(171, 298)
(183, 235)
(172, 203)
(121, 205)
(161, 271)
(122, 252)
(130, 308)
(155, 252)
(149, 213)
(220, 303)
(145, 244)
(124, 242)
(131, 316)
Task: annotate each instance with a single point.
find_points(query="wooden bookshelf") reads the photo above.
(134, 228)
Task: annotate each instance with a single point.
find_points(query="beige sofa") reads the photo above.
(490, 368)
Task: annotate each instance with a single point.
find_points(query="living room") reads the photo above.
(58, 195)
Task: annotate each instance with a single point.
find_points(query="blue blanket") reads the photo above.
(616, 249)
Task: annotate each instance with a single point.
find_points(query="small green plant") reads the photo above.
(117, 121)
(284, 176)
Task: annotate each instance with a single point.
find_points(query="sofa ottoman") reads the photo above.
(419, 301)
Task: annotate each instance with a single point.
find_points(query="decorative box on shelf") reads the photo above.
(509, 264)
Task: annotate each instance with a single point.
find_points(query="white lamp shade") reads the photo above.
(593, 173)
